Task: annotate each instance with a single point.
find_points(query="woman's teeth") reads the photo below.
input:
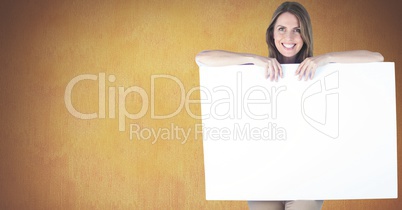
(289, 46)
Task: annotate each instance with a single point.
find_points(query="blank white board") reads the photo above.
(333, 137)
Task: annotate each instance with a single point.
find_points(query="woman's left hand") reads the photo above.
(308, 67)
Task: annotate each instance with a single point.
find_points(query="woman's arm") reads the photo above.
(357, 56)
(308, 67)
(224, 58)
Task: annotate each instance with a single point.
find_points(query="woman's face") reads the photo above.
(287, 36)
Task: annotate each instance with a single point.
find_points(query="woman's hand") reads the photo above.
(272, 68)
(308, 67)
(223, 58)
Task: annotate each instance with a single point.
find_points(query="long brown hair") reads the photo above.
(306, 31)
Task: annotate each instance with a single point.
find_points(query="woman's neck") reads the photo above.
(289, 59)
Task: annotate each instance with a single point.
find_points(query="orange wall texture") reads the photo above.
(50, 159)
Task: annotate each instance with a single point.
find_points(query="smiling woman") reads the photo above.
(289, 38)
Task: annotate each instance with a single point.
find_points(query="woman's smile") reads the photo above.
(288, 46)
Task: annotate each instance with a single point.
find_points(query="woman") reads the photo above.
(289, 38)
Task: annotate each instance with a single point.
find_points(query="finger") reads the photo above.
(271, 71)
(307, 75)
(302, 72)
(313, 68)
(302, 66)
(266, 72)
(299, 68)
(276, 71)
(280, 72)
(312, 74)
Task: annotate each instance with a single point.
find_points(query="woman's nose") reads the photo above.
(289, 35)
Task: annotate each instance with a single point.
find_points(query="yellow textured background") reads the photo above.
(50, 159)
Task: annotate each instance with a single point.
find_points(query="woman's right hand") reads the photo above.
(272, 68)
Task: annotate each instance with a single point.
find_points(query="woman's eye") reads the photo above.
(281, 29)
(297, 30)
